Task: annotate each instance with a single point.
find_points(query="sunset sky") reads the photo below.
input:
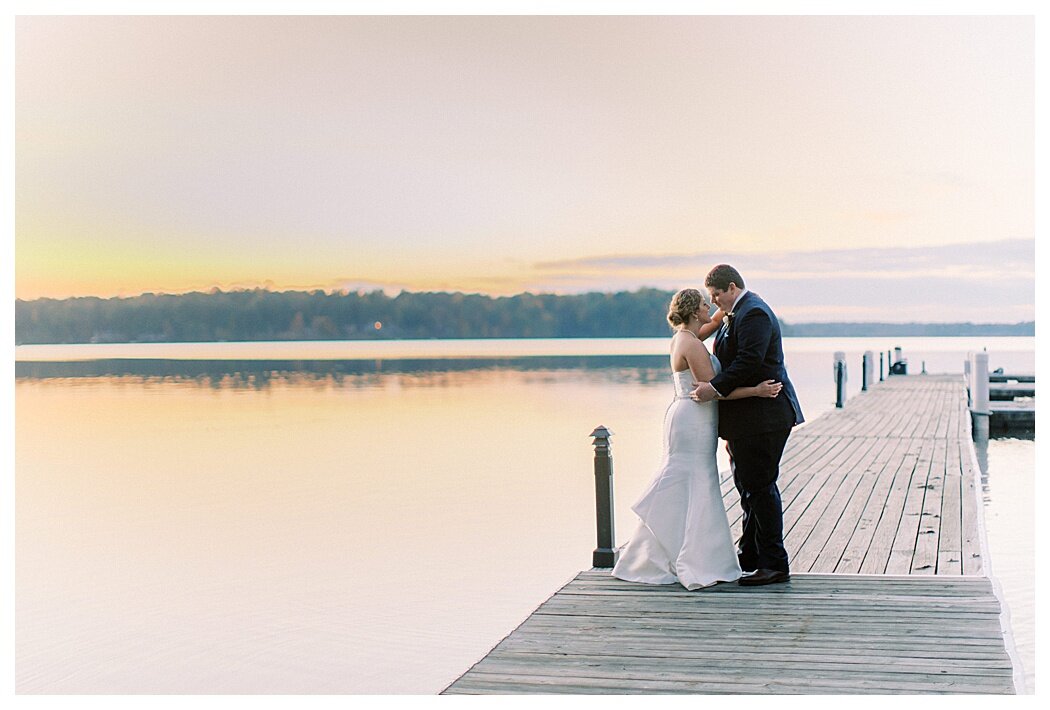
(853, 168)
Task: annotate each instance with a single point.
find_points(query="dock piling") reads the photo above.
(968, 377)
(979, 396)
(998, 401)
(898, 364)
(868, 376)
(605, 554)
(840, 379)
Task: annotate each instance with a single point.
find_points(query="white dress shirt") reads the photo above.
(738, 297)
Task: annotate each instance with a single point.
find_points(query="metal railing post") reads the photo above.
(605, 554)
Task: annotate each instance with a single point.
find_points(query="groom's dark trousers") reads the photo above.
(756, 429)
(755, 462)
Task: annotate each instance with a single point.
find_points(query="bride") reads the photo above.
(684, 533)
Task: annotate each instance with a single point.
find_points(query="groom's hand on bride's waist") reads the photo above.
(704, 392)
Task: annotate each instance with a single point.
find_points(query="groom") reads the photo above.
(755, 428)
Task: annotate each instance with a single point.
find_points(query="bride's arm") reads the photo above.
(707, 329)
(699, 361)
(769, 388)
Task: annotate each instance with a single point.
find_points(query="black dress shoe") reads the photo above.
(764, 576)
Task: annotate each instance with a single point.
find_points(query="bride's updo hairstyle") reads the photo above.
(684, 304)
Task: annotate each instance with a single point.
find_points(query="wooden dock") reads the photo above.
(840, 634)
(886, 485)
(888, 595)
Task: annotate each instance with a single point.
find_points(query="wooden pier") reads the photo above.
(887, 595)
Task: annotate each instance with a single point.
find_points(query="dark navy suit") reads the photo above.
(756, 429)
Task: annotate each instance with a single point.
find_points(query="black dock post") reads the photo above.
(604, 555)
(840, 379)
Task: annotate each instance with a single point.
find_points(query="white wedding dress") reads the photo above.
(684, 532)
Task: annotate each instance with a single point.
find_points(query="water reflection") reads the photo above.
(1004, 445)
(180, 538)
(1007, 483)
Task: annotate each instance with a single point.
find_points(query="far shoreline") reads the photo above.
(809, 331)
(471, 349)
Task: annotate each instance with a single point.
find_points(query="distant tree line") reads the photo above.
(260, 314)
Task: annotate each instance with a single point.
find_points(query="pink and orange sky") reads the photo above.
(853, 168)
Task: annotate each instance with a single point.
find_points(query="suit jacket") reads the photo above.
(751, 351)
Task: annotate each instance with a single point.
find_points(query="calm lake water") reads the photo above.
(364, 517)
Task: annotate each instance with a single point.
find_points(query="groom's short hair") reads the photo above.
(722, 275)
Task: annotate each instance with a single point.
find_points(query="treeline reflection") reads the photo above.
(262, 374)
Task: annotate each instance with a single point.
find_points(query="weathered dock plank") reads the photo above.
(871, 479)
(839, 634)
(833, 552)
(825, 513)
(875, 549)
(949, 551)
(971, 540)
